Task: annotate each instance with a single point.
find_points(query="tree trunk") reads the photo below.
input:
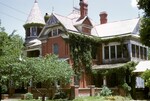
(43, 97)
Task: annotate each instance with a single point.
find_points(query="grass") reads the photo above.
(94, 98)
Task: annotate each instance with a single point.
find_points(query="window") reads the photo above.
(125, 50)
(55, 49)
(141, 52)
(28, 32)
(119, 53)
(76, 80)
(33, 31)
(145, 53)
(55, 32)
(112, 49)
(133, 50)
(106, 52)
(60, 31)
(49, 33)
(137, 51)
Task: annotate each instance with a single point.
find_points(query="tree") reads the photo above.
(146, 77)
(145, 23)
(49, 70)
(144, 4)
(10, 50)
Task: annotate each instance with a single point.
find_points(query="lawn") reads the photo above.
(95, 98)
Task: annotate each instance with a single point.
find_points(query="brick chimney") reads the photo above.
(83, 8)
(103, 17)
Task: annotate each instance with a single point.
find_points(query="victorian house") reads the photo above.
(49, 37)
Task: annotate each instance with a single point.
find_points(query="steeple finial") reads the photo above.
(35, 1)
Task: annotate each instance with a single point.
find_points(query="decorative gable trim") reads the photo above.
(52, 21)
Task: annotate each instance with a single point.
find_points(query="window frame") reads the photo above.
(55, 49)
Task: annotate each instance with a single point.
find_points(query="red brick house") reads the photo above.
(50, 38)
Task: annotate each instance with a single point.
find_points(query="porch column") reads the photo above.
(104, 81)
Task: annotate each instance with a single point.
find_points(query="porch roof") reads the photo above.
(108, 66)
(142, 66)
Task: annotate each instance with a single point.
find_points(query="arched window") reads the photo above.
(55, 48)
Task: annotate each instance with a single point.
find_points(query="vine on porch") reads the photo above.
(82, 47)
(81, 52)
(121, 71)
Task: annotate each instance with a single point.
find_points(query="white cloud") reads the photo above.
(134, 3)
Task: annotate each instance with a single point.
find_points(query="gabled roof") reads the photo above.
(66, 22)
(116, 28)
(35, 15)
(75, 14)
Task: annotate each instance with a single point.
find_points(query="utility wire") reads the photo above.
(13, 8)
(12, 17)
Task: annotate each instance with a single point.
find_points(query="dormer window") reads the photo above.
(33, 31)
(55, 33)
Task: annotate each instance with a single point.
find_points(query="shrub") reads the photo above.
(126, 87)
(4, 89)
(105, 91)
(28, 96)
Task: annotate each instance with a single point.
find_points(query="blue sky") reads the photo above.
(14, 13)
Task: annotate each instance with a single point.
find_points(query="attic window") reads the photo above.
(55, 33)
(33, 31)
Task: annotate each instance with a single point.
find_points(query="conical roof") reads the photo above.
(35, 15)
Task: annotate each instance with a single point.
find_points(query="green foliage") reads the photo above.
(90, 98)
(146, 76)
(105, 91)
(10, 50)
(145, 23)
(50, 69)
(28, 96)
(81, 51)
(33, 24)
(126, 87)
(144, 31)
(144, 4)
(4, 88)
(121, 71)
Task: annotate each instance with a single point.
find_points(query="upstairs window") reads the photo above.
(145, 53)
(133, 50)
(141, 52)
(137, 51)
(106, 52)
(55, 49)
(125, 50)
(55, 32)
(119, 52)
(112, 49)
(33, 31)
(60, 31)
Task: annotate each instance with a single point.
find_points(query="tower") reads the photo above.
(33, 26)
(34, 23)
